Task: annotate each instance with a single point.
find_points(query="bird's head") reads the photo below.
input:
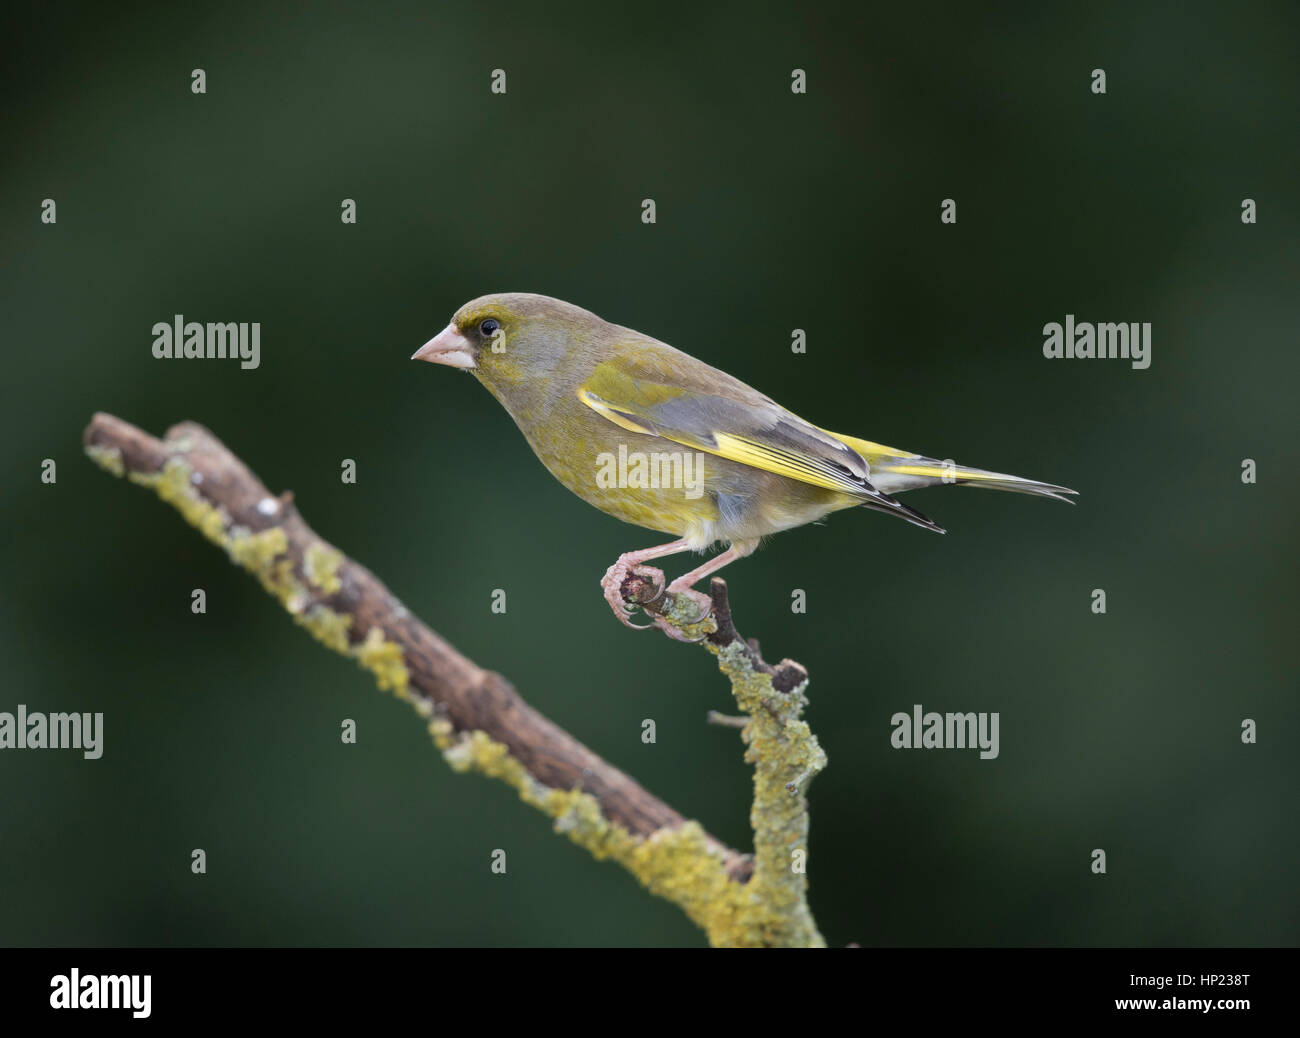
(512, 340)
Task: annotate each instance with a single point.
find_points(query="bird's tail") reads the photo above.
(893, 471)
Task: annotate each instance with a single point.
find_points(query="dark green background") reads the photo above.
(774, 211)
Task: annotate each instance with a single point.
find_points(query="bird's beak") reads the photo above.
(447, 347)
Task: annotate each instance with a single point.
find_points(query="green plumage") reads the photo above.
(584, 391)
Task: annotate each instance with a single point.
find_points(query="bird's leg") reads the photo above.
(612, 582)
(683, 584)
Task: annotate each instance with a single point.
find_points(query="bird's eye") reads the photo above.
(489, 326)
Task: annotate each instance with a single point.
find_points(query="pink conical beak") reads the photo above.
(447, 347)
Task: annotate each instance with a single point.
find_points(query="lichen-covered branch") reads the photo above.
(478, 720)
(785, 755)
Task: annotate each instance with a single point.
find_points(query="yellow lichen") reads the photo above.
(107, 458)
(173, 483)
(265, 554)
(321, 564)
(328, 627)
(677, 864)
(442, 732)
(385, 661)
(258, 551)
(786, 755)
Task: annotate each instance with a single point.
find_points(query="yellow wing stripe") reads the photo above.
(785, 463)
(620, 419)
(869, 450)
(739, 449)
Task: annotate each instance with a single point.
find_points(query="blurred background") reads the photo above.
(774, 211)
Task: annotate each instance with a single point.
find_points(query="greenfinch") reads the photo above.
(656, 438)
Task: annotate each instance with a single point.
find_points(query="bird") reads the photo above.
(660, 439)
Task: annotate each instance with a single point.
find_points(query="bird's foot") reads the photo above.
(704, 607)
(655, 578)
(612, 584)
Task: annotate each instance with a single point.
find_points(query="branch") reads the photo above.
(478, 720)
(785, 754)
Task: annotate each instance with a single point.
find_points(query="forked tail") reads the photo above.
(893, 471)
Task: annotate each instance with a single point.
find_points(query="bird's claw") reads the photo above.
(674, 630)
(612, 584)
(676, 633)
(655, 576)
(699, 598)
